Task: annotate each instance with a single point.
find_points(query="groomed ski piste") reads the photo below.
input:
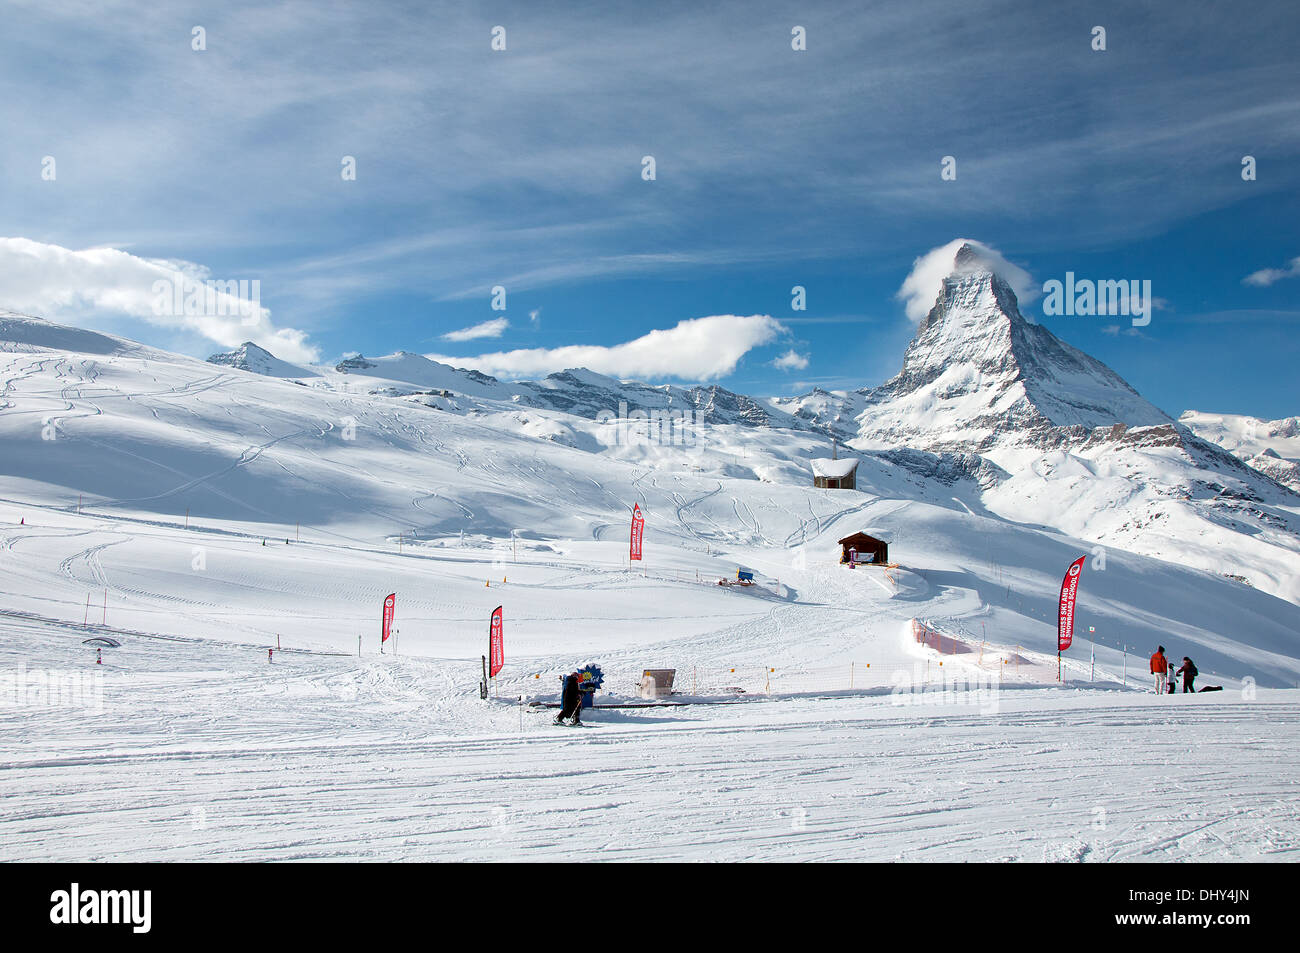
(235, 536)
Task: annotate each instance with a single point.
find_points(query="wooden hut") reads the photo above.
(835, 474)
(864, 549)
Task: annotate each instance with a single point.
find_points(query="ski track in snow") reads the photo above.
(318, 758)
(204, 750)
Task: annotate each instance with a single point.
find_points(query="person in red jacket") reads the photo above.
(1159, 666)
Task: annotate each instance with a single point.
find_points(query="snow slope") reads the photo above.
(205, 753)
(174, 464)
(202, 514)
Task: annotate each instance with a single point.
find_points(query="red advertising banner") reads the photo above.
(390, 601)
(1069, 590)
(638, 530)
(496, 644)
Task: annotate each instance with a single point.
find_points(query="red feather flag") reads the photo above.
(638, 530)
(390, 601)
(1069, 591)
(496, 644)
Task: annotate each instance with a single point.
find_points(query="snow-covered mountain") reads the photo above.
(249, 357)
(1056, 437)
(992, 423)
(978, 375)
(225, 540)
(1270, 446)
(575, 391)
(1035, 430)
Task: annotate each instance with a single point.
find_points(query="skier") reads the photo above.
(1188, 671)
(570, 701)
(1159, 666)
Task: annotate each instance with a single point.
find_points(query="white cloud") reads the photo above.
(922, 286)
(488, 329)
(1267, 276)
(791, 361)
(696, 349)
(56, 282)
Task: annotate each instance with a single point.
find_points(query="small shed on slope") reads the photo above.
(865, 549)
(835, 474)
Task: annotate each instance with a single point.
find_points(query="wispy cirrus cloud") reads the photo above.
(764, 152)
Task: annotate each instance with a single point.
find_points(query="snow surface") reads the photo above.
(202, 515)
(206, 752)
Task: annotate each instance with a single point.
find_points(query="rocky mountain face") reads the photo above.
(1272, 465)
(350, 364)
(592, 395)
(257, 360)
(576, 391)
(1270, 446)
(978, 375)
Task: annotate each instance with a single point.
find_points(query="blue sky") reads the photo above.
(774, 168)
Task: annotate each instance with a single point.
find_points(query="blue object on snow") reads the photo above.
(586, 688)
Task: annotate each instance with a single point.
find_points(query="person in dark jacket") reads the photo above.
(570, 701)
(1188, 671)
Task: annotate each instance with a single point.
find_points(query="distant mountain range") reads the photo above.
(1039, 430)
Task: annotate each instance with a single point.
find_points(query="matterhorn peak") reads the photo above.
(978, 374)
(973, 258)
(959, 258)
